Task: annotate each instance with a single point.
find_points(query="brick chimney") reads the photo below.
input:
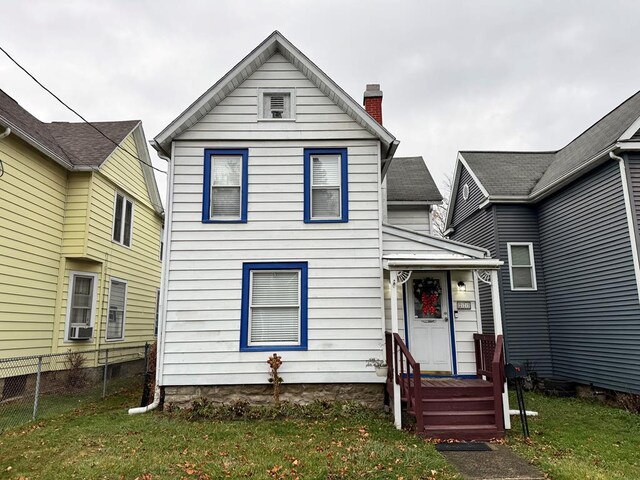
(373, 101)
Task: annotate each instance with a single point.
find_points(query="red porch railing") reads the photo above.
(406, 373)
(490, 364)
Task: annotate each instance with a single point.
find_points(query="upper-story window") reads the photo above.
(123, 220)
(225, 186)
(326, 186)
(522, 268)
(276, 104)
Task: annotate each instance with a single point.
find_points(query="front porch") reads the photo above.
(451, 408)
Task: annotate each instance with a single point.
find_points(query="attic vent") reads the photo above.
(465, 192)
(276, 104)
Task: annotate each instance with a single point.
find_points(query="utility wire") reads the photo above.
(75, 112)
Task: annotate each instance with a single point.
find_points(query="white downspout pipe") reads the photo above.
(163, 288)
(6, 133)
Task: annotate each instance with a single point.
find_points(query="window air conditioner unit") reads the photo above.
(81, 333)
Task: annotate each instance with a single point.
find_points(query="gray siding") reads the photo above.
(463, 208)
(478, 229)
(592, 300)
(525, 321)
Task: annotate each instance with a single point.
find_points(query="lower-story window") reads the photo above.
(117, 308)
(274, 306)
(81, 305)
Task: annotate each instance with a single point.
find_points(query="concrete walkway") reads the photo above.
(499, 463)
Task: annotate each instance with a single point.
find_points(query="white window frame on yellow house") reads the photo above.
(125, 198)
(124, 310)
(94, 294)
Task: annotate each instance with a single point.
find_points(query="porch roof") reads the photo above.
(426, 262)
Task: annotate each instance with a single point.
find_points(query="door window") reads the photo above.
(427, 297)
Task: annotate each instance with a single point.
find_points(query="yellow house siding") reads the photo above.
(125, 171)
(138, 265)
(75, 224)
(32, 211)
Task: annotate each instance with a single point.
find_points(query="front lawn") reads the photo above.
(102, 441)
(574, 438)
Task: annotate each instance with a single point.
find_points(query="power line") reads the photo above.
(75, 112)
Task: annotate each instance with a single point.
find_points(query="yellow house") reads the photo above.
(80, 235)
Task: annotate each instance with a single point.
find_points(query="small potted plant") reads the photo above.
(379, 365)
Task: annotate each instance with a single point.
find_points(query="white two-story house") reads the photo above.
(280, 238)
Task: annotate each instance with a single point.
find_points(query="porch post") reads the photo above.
(397, 414)
(497, 327)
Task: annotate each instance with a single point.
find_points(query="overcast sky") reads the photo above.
(456, 75)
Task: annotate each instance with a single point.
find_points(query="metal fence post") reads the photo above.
(106, 368)
(37, 393)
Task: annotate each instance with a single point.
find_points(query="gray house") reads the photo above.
(565, 223)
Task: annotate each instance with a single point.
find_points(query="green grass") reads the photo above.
(579, 439)
(102, 441)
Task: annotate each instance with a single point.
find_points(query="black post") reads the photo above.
(145, 387)
(522, 408)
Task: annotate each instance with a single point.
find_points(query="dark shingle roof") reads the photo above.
(508, 173)
(84, 145)
(76, 143)
(525, 173)
(409, 180)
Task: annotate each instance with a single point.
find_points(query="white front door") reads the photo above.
(428, 312)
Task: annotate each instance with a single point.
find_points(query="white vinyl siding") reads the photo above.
(326, 195)
(205, 261)
(521, 266)
(274, 309)
(122, 220)
(416, 218)
(116, 310)
(226, 186)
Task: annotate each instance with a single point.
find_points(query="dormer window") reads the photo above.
(276, 104)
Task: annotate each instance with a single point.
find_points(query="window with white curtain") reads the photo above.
(326, 185)
(116, 311)
(274, 306)
(225, 186)
(522, 268)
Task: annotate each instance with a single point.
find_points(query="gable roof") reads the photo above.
(77, 146)
(508, 173)
(529, 174)
(409, 180)
(275, 42)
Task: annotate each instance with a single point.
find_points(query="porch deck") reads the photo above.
(451, 408)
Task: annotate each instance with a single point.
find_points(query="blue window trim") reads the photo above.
(344, 184)
(247, 268)
(206, 195)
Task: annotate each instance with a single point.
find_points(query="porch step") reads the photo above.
(462, 432)
(446, 392)
(457, 404)
(451, 418)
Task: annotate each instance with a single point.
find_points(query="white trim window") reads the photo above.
(276, 104)
(117, 310)
(522, 270)
(81, 305)
(122, 220)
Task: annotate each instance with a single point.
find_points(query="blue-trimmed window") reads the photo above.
(274, 306)
(326, 185)
(225, 193)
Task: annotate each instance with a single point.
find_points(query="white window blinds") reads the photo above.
(117, 302)
(226, 186)
(275, 307)
(325, 186)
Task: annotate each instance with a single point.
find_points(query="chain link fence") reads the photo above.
(39, 386)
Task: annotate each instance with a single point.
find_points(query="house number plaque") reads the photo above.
(463, 305)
